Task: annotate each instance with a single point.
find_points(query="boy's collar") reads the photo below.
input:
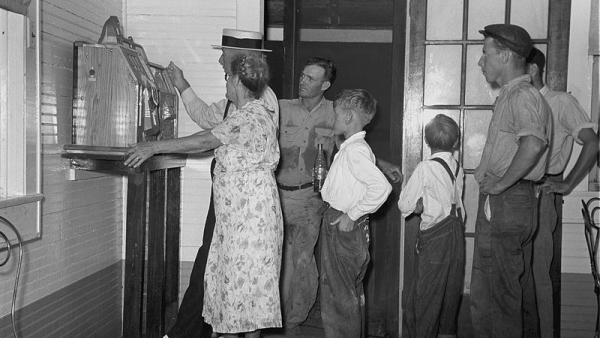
(359, 135)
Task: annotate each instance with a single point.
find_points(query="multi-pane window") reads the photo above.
(20, 188)
(453, 82)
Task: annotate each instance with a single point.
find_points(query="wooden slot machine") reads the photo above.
(120, 98)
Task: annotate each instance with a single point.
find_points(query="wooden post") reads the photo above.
(171, 302)
(134, 255)
(290, 41)
(156, 253)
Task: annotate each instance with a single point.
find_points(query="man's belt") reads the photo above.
(295, 187)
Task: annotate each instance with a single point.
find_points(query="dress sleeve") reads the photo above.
(242, 130)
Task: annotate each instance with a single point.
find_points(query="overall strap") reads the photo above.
(452, 178)
(445, 165)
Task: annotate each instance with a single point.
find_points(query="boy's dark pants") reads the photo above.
(344, 261)
(439, 273)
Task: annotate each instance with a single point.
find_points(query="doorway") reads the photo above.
(367, 57)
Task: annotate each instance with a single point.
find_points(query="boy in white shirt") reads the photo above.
(434, 191)
(353, 189)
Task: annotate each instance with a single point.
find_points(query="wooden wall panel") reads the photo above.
(81, 220)
(184, 34)
(94, 301)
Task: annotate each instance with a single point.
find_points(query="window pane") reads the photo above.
(20, 186)
(442, 75)
(475, 133)
(483, 13)
(522, 13)
(12, 104)
(470, 247)
(477, 90)
(444, 19)
(429, 114)
(470, 198)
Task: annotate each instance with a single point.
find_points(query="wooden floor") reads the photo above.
(305, 332)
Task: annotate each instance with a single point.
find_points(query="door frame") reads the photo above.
(392, 307)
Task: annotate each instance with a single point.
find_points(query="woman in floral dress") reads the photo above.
(242, 274)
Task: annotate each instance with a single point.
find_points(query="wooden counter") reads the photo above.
(153, 212)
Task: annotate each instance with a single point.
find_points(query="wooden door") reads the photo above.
(378, 67)
(368, 66)
(443, 77)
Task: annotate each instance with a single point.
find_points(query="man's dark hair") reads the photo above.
(537, 57)
(328, 65)
(519, 61)
(442, 133)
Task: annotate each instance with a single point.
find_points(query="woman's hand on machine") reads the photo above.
(138, 153)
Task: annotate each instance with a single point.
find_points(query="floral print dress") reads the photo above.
(241, 282)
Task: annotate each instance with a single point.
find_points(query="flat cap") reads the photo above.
(514, 37)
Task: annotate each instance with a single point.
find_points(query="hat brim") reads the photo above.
(487, 34)
(241, 48)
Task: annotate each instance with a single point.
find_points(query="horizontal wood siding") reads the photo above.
(81, 220)
(184, 34)
(90, 307)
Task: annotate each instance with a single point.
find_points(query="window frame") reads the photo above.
(20, 148)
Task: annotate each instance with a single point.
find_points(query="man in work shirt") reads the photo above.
(513, 157)
(305, 123)
(570, 122)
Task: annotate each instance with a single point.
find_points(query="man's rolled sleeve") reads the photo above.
(530, 115)
(204, 115)
(578, 129)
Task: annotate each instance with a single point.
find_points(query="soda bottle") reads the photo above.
(319, 169)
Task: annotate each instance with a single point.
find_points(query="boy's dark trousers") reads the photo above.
(344, 261)
(190, 323)
(434, 296)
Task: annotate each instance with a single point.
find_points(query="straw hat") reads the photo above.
(240, 39)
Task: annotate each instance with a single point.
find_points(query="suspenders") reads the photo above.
(453, 179)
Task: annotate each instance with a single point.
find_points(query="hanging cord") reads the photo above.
(20, 243)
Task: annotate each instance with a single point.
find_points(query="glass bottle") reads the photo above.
(319, 169)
